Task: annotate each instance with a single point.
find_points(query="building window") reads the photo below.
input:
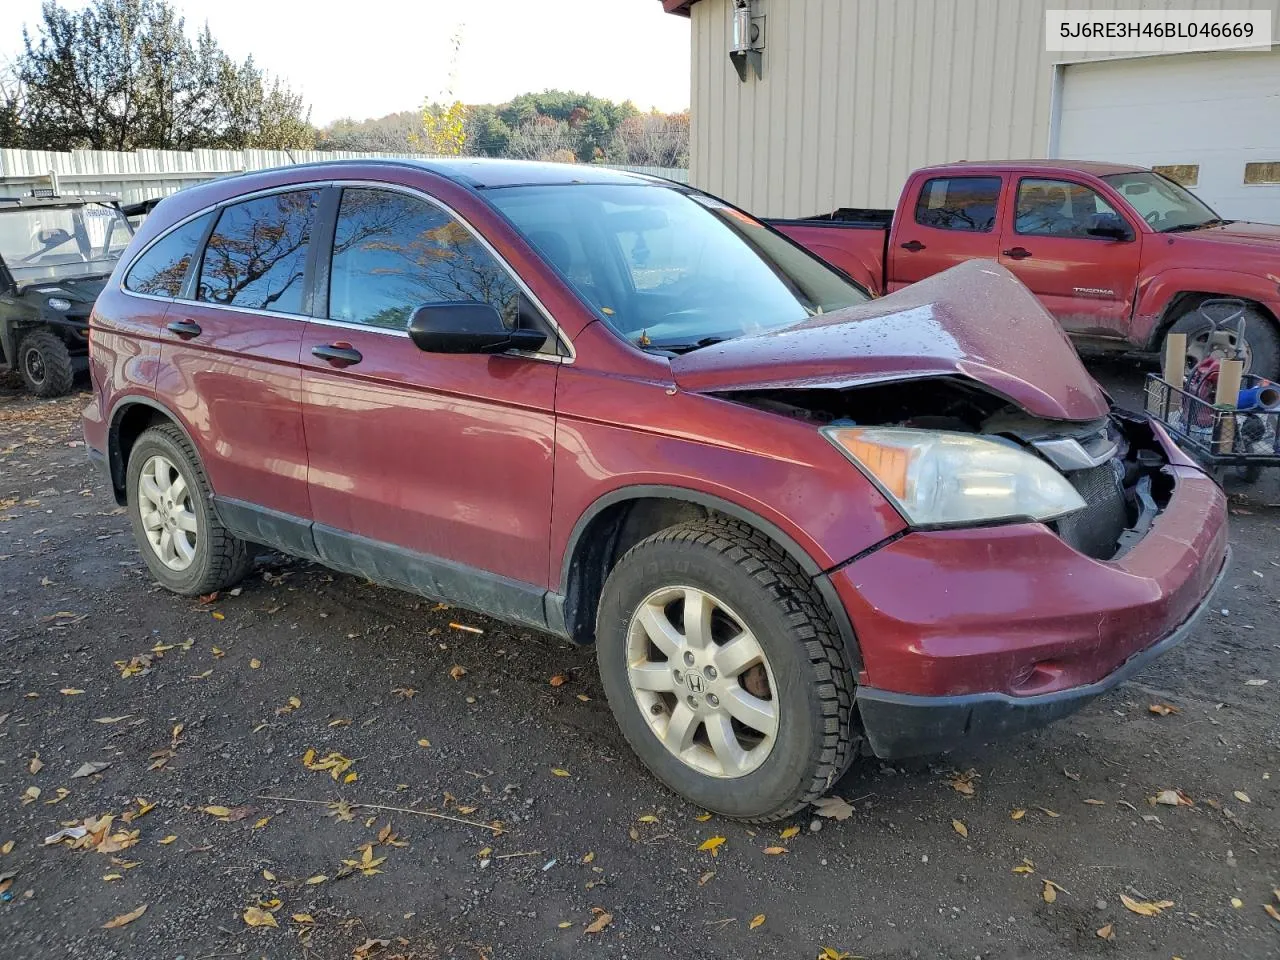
(1185, 174)
(959, 203)
(1263, 171)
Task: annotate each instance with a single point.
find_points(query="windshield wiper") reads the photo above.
(1182, 227)
(689, 347)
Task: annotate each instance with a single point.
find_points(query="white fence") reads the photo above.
(143, 174)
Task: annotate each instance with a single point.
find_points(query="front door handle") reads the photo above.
(340, 354)
(1017, 253)
(186, 329)
(912, 245)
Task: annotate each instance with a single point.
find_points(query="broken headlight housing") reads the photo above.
(936, 477)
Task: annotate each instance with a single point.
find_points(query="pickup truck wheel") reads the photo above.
(184, 544)
(45, 364)
(724, 672)
(1261, 346)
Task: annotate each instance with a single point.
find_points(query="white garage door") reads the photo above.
(1216, 111)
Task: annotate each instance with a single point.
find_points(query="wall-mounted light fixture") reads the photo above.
(746, 39)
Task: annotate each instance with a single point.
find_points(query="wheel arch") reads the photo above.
(129, 417)
(1171, 295)
(618, 520)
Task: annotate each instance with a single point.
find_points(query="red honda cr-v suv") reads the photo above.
(797, 523)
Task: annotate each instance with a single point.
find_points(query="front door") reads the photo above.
(1087, 282)
(229, 360)
(953, 220)
(433, 470)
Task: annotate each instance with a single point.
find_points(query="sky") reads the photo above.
(368, 58)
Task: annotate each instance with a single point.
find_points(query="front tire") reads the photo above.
(1262, 342)
(184, 544)
(721, 665)
(45, 364)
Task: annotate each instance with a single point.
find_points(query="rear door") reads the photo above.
(1087, 282)
(229, 363)
(953, 219)
(424, 468)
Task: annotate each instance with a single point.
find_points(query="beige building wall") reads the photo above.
(858, 93)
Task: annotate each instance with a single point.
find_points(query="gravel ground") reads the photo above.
(204, 713)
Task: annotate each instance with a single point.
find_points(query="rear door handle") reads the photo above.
(1017, 253)
(339, 354)
(912, 245)
(186, 329)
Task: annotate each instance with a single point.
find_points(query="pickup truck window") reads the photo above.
(1161, 202)
(669, 269)
(1058, 208)
(959, 203)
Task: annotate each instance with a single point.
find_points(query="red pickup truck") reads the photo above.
(1120, 255)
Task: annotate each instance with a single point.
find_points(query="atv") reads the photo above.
(56, 253)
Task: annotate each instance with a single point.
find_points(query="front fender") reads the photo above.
(1157, 292)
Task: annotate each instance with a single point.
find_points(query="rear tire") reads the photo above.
(45, 364)
(797, 672)
(183, 542)
(1262, 341)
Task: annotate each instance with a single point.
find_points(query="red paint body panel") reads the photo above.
(1096, 288)
(447, 455)
(1013, 609)
(125, 337)
(975, 320)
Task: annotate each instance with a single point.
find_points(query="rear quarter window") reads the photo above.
(959, 203)
(162, 269)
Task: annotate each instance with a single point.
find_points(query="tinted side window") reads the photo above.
(959, 203)
(392, 253)
(161, 270)
(1059, 208)
(256, 254)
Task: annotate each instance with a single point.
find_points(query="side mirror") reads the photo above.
(468, 327)
(1109, 227)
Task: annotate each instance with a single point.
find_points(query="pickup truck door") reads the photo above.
(1086, 281)
(950, 220)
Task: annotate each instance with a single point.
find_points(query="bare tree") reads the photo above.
(653, 140)
(542, 138)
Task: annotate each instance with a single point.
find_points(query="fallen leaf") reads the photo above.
(790, 832)
(703, 817)
(216, 811)
(711, 845)
(112, 876)
(702, 880)
(1237, 902)
(366, 949)
(254, 663)
(1172, 798)
(560, 771)
(112, 719)
(1050, 891)
(70, 692)
(124, 918)
(602, 920)
(647, 818)
(30, 795)
(1106, 933)
(774, 851)
(259, 824)
(1095, 803)
(36, 764)
(959, 828)
(565, 924)
(1272, 912)
(1026, 866)
(424, 742)
(257, 917)
(588, 856)
(1256, 682)
(317, 879)
(833, 807)
(756, 921)
(559, 680)
(1145, 908)
(457, 671)
(1238, 794)
(7, 848)
(466, 629)
(216, 652)
(963, 782)
(89, 769)
(828, 953)
(167, 840)
(1163, 710)
(1017, 815)
(303, 918)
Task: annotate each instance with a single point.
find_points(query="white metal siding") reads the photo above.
(1216, 110)
(857, 93)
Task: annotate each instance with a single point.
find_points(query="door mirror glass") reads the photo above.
(468, 327)
(1109, 226)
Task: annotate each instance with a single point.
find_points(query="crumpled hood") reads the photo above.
(975, 320)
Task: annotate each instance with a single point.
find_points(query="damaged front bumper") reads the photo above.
(979, 633)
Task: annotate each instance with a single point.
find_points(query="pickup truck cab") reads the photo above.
(1120, 255)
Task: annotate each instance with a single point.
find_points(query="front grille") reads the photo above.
(1095, 530)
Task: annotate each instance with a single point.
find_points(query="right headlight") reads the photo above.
(937, 477)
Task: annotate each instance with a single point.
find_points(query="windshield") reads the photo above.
(670, 269)
(49, 242)
(1161, 202)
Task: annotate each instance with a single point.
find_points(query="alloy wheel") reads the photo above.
(702, 682)
(168, 515)
(33, 363)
